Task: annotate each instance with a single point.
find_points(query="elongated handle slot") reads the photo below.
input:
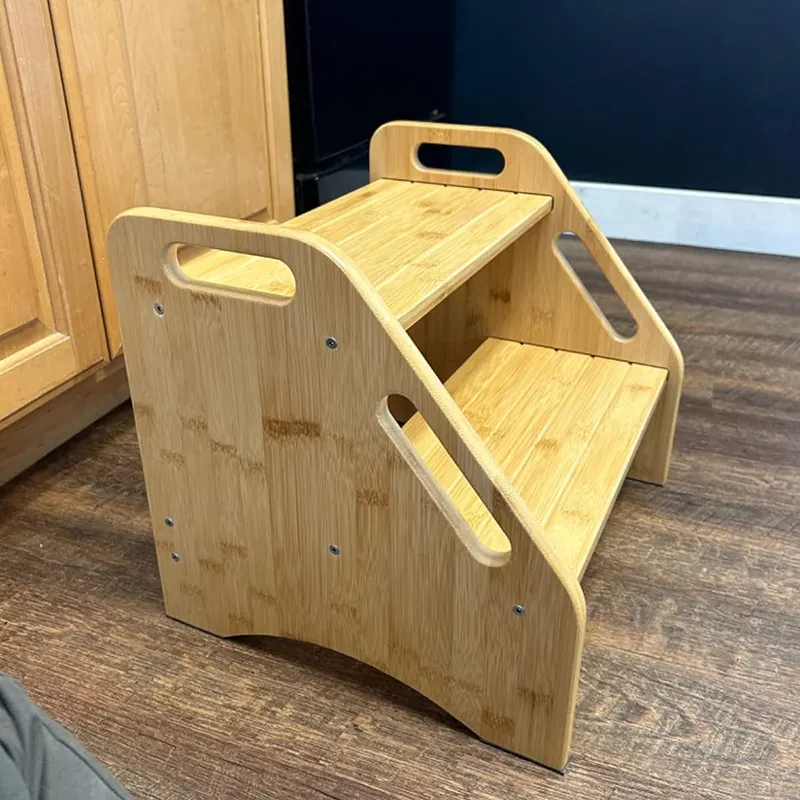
(486, 158)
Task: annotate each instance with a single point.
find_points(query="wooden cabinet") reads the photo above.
(51, 326)
(106, 105)
(169, 107)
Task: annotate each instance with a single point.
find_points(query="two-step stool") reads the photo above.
(271, 375)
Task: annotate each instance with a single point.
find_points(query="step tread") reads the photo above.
(415, 242)
(562, 426)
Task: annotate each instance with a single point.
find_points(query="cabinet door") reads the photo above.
(181, 104)
(51, 326)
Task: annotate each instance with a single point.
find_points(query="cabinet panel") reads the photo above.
(178, 104)
(51, 326)
(20, 262)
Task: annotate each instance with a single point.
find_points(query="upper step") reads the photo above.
(415, 242)
(562, 426)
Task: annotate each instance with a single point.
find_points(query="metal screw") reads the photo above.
(159, 309)
(176, 558)
(331, 343)
(334, 548)
(169, 522)
(519, 610)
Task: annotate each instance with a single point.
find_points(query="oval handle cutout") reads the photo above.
(236, 271)
(438, 471)
(461, 158)
(578, 258)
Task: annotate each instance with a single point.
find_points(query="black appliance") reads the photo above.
(352, 66)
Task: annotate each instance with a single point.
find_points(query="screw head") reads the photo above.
(159, 309)
(331, 343)
(519, 610)
(334, 549)
(175, 557)
(169, 522)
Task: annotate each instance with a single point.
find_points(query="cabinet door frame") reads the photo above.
(36, 131)
(112, 131)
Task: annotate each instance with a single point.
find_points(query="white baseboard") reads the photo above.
(703, 219)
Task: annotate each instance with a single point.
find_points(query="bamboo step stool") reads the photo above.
(268, 374)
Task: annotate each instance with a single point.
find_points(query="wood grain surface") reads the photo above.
(51, 326)
(259, 470)
(528, 293)
(416, 243)
(562, 426)
(182, 105)
(691, 673)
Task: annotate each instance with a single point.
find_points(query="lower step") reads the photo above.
(562, 426)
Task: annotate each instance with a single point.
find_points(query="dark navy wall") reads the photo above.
(701, 94)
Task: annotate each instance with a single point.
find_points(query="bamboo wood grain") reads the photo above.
(529, 293)
(265, 447)
(563, 427)
(415, 243)
(237, 271)
(691, 668)
(578, 516)
(285, 497)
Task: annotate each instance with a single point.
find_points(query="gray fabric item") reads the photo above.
(39, 760)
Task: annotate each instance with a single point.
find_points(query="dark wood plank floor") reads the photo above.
(691, 676)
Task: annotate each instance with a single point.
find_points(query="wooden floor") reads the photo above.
(690, 686)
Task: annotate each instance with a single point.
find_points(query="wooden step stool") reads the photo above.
(286, 499)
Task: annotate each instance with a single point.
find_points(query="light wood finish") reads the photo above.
(179, 104)
(58, 416)
(691, 672)
(276, 106)
(415, 243)
(562, 426)
(529, 293)
(237, 271)
(287, 500)
(250, 273)
(51, 327)
(264, 447)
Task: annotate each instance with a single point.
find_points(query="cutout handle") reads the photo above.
(581, 263)
(446, 484)
(229, 270)
(516, 530)
(488, 161)
(485, 158)
(295, 257)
